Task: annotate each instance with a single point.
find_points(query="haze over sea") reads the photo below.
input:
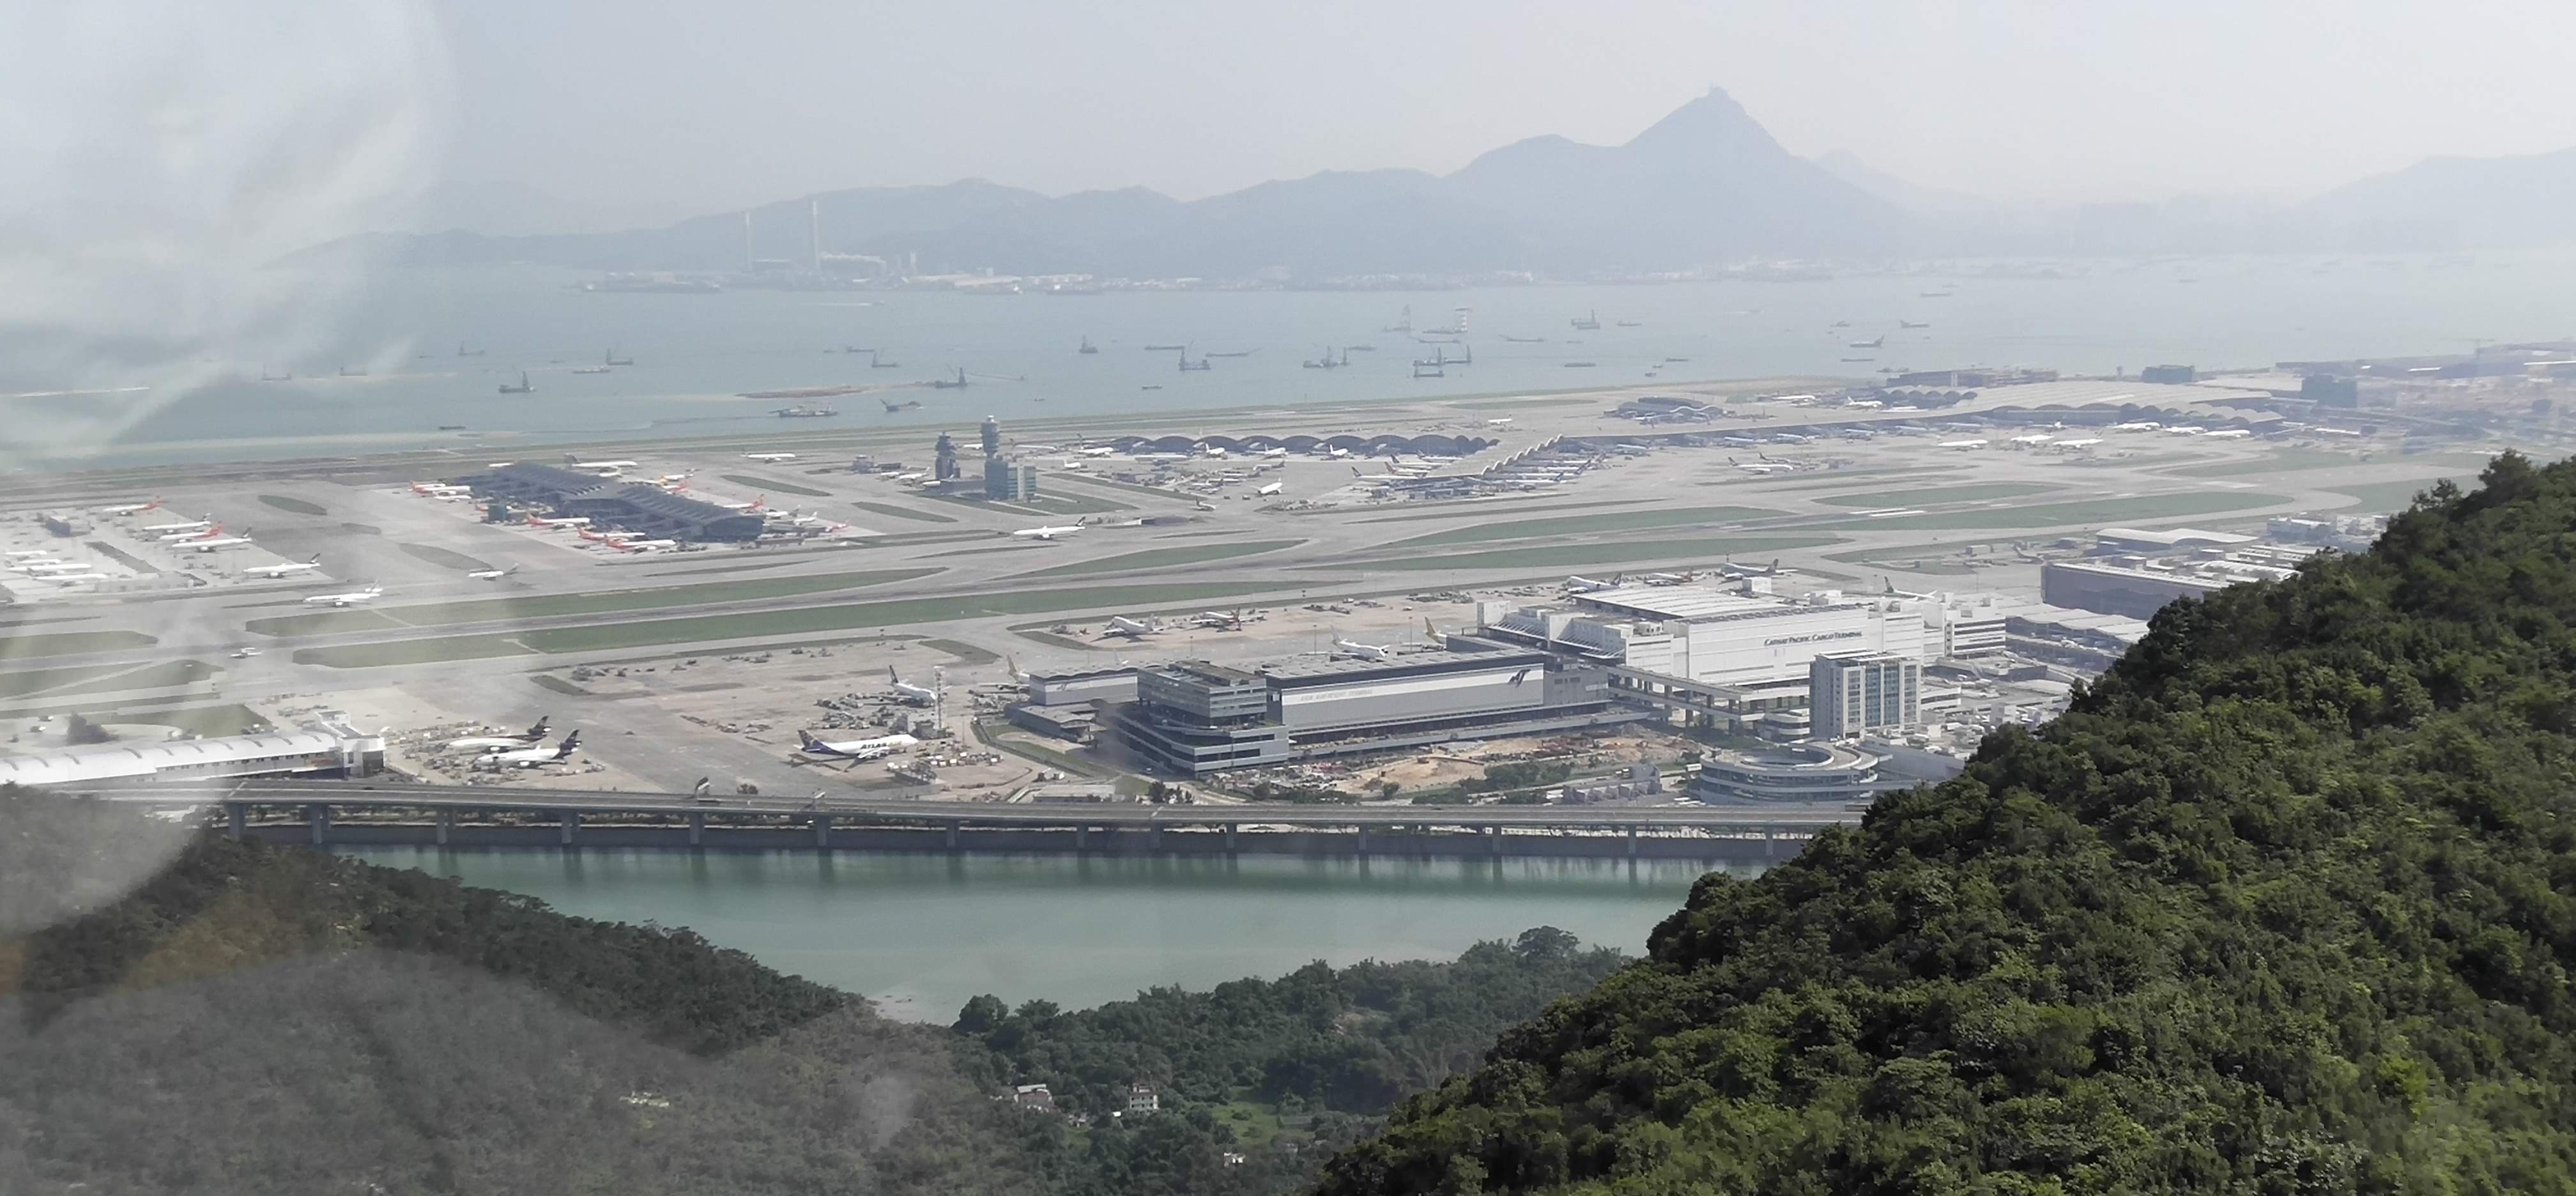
(695, 353)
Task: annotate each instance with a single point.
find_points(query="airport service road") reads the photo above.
(360, 794)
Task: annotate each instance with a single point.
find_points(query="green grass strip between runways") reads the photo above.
(541, 606)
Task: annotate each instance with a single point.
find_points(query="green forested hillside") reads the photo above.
(2287, 903)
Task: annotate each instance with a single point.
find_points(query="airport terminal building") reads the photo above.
(332, 749)
(1192, 717)
(629, 506)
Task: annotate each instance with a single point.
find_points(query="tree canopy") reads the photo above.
(2285, 903)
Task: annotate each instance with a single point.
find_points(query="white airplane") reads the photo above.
(1364, 651)
(1267, 491)
(290, 567)
(531, 757)
(2231, 434)
(244, 653)
(2184, 430)
(769, 458)
(132, 508)
(1337, 453)
(1274, 452)
(542, 521)
(1585, 585)
(2084, 443)
(52, 568)
(643, 545)
(1132, 628)
(1046, 533)
(2143, 425)
(492, 574)
(917, 693)
(854, 750)
(2033, 440)
(611, 466)
(211, 545)
(179, 531)
(351, 598)
(2337, 432)
(1962, 444)
(438, 488)
(906, 477)
(1499, 421)
(502, 742)
(1760, 466)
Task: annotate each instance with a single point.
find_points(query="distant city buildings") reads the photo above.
(2173, 375)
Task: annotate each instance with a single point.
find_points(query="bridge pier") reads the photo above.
(1154, 839)
(954, 825)
(318, 817)
(1230, 844)
(236, 817)
(1363, 840)
(1494, 840)
(697, 828)
(570, 821)
(1082, 838)
(446, 823)
(823, 831)
(1632, 842)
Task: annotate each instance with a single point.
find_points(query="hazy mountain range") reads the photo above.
(1704, 186)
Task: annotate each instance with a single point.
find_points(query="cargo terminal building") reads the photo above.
(1191, 718)
(1707, 651)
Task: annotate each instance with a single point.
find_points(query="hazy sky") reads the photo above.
(636, 109)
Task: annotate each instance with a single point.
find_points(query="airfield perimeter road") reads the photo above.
(1853, 512)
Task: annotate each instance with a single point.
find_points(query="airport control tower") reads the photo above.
(992, 437)
(944, 466)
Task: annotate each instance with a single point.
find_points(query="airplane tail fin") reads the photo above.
(570, 742)
(317, 559)
(806, 740)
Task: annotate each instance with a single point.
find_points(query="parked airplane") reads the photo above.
(1760, 466)
(1046, 533)
(531, 757)
(132, 508)
(623, 545)
(1963, 444)
(769, 458)
(1133, 628)
(2184, 430)
(533, 734)
(1267, 491)
(438, 488)
(351, 598)
(917, 693)
(210, 545)
(179, 531)
(283, 570)
(1097, 451)
(1585, 585)
(2143, 425)
(492, 574)
(244, 653)
(2231, 434)
(854, 750)
(542, 521)
(2033, 440)
(1363, 651)
(1274, 452)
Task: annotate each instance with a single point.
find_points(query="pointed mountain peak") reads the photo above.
(1712, 124)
